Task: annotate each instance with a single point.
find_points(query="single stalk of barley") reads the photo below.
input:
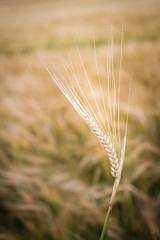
(106, 133)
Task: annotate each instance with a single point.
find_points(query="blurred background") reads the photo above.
(55, 182)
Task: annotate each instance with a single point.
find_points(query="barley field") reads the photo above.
(55, 182)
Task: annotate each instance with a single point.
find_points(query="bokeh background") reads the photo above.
(55, 182)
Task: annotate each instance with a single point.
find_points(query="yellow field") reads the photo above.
(54, 177)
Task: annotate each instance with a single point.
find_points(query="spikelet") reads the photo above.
(106, 143)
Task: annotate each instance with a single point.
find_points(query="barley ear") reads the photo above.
(106, 134)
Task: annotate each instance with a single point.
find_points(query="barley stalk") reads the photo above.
(80, 102)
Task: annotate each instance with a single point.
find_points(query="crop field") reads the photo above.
(55, 182)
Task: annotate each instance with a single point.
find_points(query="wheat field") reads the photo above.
(55, 181)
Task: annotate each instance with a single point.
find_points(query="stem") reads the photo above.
(114, 191)
(115, 188)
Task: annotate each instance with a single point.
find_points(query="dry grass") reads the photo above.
(54, 178)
